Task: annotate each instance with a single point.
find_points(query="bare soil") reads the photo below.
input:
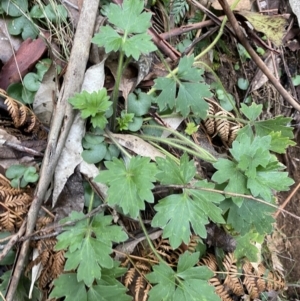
(290, 227)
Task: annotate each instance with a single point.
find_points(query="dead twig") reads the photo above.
(256, 57)
(283, 205)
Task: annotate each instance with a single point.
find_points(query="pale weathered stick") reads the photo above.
(62, 121)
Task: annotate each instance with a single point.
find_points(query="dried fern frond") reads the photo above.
(129, 276)
(250, 284)
(58, 263)
(14, 203)
(210, 261)
(220, 124)
(232, 280)
(209, 123)
(275, 281)
(220, 289)
(22, 116)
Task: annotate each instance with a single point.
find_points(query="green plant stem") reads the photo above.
(149, 240)
(121, 148)
(115, 94)
(165, 152)
(205, 155)
(91, 203)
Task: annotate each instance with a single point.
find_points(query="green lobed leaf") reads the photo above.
(268, 180)
(164, 276)
(14, 8)
(191, 92)
(277, 124)
(276, 127)
(178, 213)
(138, 104)
(129, 16)
(108, 38)
(107, 293)
(236, 182)
(89, 245)
(171, 173)
(129, 183)
(138, 44)
(125, 120)
(188, 283)
(23, 26)
(251, 112)
(94, 105)
(191, 128)
(254, 169)
(246, 248)
(251, 214)
(129, 19)
(279, 144)
(66, 285)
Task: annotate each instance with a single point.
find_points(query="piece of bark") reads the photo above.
(22, 62)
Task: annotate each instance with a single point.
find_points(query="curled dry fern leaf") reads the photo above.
(22, 116)
(232, 280)
(220, 125)
(14, 203)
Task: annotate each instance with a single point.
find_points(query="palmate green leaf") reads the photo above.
(280, 143)
(108, 38)
(276, 127)
(107, 293)
(254, 169)
(251, 153)
(129, 16)
(90, 245)
(268, 180)
(191, 90)
(93, 105)
(229, 173)
(245, 247)
(178, 213)
(129, 19)
(66, 285)
(171, 173)
(277, 124)
(109, 276)
(138, 44)
(129, 183)
(108, 288)
(251, 112)
(249, 215)
(188, 283)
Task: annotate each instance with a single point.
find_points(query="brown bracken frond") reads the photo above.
(52, 262)
(23, 117)
(221, 125)
(232, 280)
(14, 204)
